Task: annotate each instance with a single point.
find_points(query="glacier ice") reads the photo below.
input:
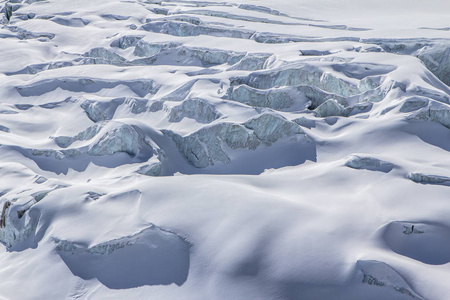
(414, 103)
(146, 49)
(302, 74)
(280, 98)
(329, 108)
(252, 62)
(153, 169)
(369, 163)
(428, 179)
(99, 111)
(269, 128)
(436, 59)
(19, 221)
(138, 94)
(105, 138)
(194, 108)
(121, 139)
(178, 28)
(175, 54)
(89, 133)
(126, 41)
(211, 144)
(437, 112)
(103, 55)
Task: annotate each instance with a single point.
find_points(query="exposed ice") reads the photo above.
(194, 108)
(101, 55)
(153, 169)
(178, 28)
(414, 103)
(126, 41)
(99, 140)
(207, 146)
(437, 112)
(329, 108)
(99, 111)
(313, 122)
(368, 163)
(252, 62)
(428, 179)
(15, 226)
(301, 74)
(146, 49)
(276, 98)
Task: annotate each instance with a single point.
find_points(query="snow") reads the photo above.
(184, 149)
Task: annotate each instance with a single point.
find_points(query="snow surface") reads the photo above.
(204, 149)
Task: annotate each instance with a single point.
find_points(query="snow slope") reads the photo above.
(181, 149)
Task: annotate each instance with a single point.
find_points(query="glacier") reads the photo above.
(204, 149)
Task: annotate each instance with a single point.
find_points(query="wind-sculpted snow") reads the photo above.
(284, 149)
(85, 85)
(425, 242)
(151, 257)
(382, 275)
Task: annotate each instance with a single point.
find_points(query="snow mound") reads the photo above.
(151, 257)
(384, 276)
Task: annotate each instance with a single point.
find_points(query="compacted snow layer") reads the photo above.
(183, 149)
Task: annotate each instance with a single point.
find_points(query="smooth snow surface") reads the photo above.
(178, 149)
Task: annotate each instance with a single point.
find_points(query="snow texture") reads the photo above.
(186, 149)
